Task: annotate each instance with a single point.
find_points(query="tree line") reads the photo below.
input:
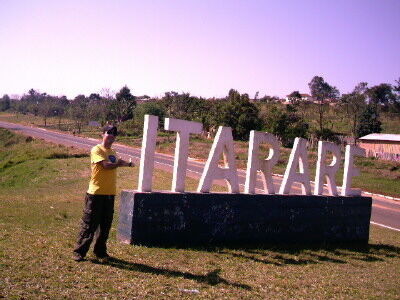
(362, 108)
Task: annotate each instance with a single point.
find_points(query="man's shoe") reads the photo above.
(77, 257)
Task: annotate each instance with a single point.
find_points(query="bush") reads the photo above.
(238, 113)
(286, 125)
(130, 128)
(327, 134)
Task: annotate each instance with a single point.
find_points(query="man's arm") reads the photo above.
(120, 163)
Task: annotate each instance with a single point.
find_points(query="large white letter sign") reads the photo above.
(327, 171)
(350, 170)
(298, 157)
(254, 163)
(223, 144)
(184, 129)
(147, 153)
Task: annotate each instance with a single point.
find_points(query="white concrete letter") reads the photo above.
(183, 129)
(147, 153)
(350, 170)
(298, 157)
(328, 171)
(254, 163)
(223, 144)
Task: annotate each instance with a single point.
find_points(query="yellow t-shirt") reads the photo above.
(103, 181)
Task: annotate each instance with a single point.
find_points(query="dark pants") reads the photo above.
(97, 218)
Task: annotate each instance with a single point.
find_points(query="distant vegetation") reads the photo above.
(328, 116)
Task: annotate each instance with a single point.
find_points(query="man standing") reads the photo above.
(99, 200)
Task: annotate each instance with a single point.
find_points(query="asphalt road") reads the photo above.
(385, 212)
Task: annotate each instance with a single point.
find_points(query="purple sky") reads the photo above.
(201, 47)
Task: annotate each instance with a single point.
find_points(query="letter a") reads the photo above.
(223, 144)
(298, 157)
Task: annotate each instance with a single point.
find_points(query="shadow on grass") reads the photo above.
(211, 278)
(302, 254)
(306, 254)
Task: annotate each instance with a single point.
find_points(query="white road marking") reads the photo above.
(385, 226)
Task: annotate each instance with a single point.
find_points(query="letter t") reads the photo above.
(183, 129)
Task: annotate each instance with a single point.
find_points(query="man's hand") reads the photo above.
(124, 163)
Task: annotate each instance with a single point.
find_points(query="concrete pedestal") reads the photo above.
(165, 218)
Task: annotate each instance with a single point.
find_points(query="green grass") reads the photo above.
(39, 221)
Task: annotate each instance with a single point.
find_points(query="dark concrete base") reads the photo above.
(202, 219)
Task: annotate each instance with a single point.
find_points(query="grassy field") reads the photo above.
(41, 199)
(377, 176)
(336, 120)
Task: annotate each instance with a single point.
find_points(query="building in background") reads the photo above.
(304, 98)
(381, 145)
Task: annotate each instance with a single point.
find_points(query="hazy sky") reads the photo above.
(202, 47)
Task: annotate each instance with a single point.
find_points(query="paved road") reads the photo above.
(385, 212)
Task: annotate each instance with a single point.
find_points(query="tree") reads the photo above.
(149, 108)
(5, 103)
(237, 112)
(321, 91)
(256, 96)
(183, 106)
(47, 108)
(186, 107)
(124, 104)
(354, 105)
(94, 96)
(77, 111)
(395, 107)
(99, 109)
(31, 101)
(61, 105)
(286, 125)
(19, 106)
(396, 88)
(369, 121)
(381, 94)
